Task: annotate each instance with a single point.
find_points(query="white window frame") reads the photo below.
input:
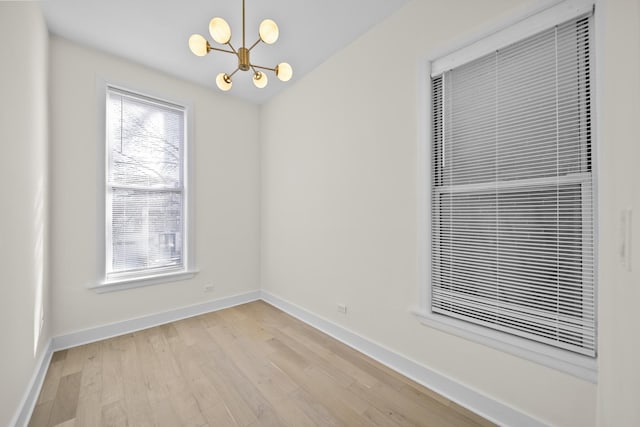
(515, 29)
(121, 281)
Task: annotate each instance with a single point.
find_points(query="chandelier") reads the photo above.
(221, 33)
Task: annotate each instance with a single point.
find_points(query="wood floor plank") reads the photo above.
(135, 392)
(314, 359)
(171, 382)
(380, 372)
(201, 391)
(292, 414)
(52, 378)
(246, 324)
(151, 368)
(164, 413)
(237, 407)
(92, 369)
(245, 390)
(181, 395)
(69, 423)
(41, 414)
(169, 330)
(318, 389)
(248, 366)
(114, 415)
(342, 366)
(219, 415)
(406, 412)
(59, 356)
(168, 370)
(348, 407)
(66, 400)
(88, 413)
(157, 392)
(271, 381)
(378, 418)
(313, 409)
(185, 405)
(74, 360)
(112, 385)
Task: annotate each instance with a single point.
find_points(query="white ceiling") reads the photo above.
(156, 32)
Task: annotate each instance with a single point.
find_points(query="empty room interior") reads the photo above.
(299, 213)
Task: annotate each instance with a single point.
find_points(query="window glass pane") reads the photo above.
(145, 143)
(147, 229)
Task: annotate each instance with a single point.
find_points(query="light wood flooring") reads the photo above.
(250, 365)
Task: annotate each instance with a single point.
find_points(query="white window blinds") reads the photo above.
(512, 205)
(145, 190)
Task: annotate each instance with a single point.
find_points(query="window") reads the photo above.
(512, 210)
(145, 194)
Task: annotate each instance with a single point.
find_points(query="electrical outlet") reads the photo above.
(208, 287)
(342, 308)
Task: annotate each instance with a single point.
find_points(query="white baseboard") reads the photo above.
(127, 326)
(482, 405)
(23, 415)
(28, 403)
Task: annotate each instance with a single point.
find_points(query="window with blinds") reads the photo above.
(512, 239)
(145, 227)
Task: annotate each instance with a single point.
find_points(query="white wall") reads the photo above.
(339, 205)
(23, 217)
(619, 146)
(226, 198)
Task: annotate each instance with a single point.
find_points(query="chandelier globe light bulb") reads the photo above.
(198, 45)
(220, 30)
(224, 82)
(260, 79)
(269, 31)
(284, 71)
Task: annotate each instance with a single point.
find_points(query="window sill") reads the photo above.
(137, 282)
(577, 365)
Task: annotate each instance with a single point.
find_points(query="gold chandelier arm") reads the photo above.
(221, 50)
(235, 71)
(263, 68)
(255, 44)
(232, 48)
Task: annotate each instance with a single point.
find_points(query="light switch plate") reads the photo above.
(625, 238)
